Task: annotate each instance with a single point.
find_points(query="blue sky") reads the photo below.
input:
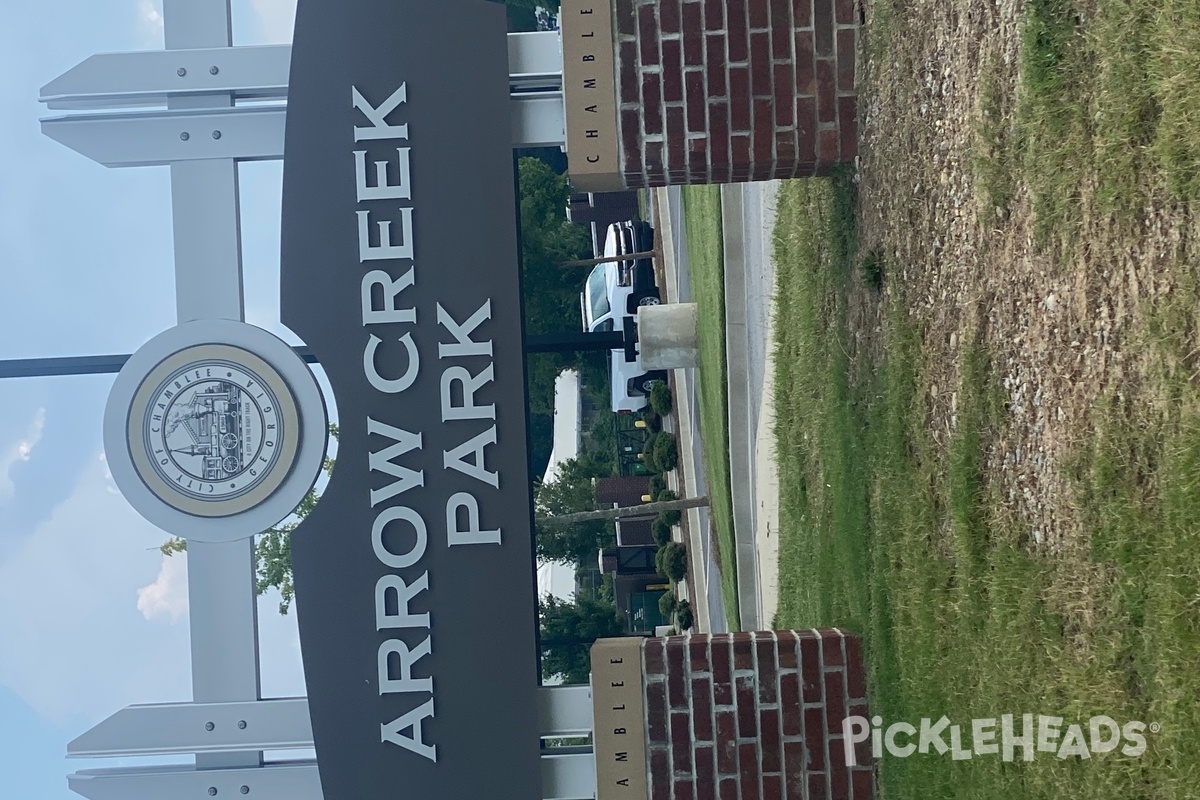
(92, 618)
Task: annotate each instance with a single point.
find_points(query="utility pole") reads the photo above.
(625, 511)
(591, 262)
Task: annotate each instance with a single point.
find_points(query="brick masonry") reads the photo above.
(719, 91)
(755, 716)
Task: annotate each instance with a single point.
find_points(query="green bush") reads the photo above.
(683, 612)
(671, 561)
(658, 486)
(665, 495)
(648, 453)
(663, 452)
(667, 603)
(660, 530)
(660, 398)
(659, 566)
(653, 423)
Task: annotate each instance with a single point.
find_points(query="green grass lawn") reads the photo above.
(1106, 110)
(903, 537)
(702, 217)
(888, 535)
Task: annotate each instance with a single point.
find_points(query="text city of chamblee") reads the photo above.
(590, 83)
(383, 303)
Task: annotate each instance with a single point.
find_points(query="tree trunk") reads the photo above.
(625, 511)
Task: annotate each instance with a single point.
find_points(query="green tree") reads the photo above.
(660, 398)
(665, 455)
(273, 550)
(551, 296)
(521, 19)
(660, 530)
(568, 631)
(684, 614)
(550, 5)
(547, 238)
(667, 604)
(273, 547)
(671, 561)
(573, 490)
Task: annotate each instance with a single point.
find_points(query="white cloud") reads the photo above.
(111, 488)
(150, 13)
(150, 21)
(21, 450)
(277, 18)
(167, 597)
(73, 640)
(79, 638)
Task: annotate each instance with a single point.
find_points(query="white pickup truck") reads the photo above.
(609, 302)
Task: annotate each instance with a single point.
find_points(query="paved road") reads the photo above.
(718, 620)
(747, 224)
(754, 482)
(758, 223)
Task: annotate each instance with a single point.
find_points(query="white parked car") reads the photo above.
(609, 302)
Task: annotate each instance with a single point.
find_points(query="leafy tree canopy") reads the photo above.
(572, 490)
(547, 239)
(273, 547)
(569, 628)
(550, 5)
(550, 293)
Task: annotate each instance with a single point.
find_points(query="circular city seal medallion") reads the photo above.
(217, 438)
(213, 430)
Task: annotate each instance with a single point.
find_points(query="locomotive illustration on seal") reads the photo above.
(210, 433)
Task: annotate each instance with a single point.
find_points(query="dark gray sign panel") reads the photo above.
(414, 576)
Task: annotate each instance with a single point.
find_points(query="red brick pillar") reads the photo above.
(746, 716)
(713, 91)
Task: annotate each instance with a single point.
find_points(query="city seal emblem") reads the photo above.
(215, 430)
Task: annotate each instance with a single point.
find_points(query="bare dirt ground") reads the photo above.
(1055, 322)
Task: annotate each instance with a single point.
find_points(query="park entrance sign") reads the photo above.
(415, 573)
